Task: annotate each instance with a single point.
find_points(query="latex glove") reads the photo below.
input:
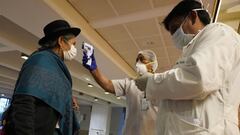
(141, 81)
(85, 59)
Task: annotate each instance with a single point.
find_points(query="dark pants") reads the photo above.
(57, 132)
(30, 116)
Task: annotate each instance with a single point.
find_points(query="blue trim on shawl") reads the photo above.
(45, 76)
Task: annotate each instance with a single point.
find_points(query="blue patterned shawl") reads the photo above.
(45, 76)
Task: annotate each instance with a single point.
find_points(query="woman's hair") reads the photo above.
(183, 9)
(54, 42)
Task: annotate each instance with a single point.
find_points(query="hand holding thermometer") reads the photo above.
(88, 49)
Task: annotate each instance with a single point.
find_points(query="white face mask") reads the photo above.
(181, 39)
(141, 68)
(70, 54)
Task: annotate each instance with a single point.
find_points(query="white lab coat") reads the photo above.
(201, 94)
(137, 121)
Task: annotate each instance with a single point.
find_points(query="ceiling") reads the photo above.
(118, 29)
(230, 13)
(133, 25)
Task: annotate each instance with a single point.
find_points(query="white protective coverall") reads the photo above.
(137, 121)
(201, 94)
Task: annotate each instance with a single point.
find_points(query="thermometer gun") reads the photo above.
(88, 49)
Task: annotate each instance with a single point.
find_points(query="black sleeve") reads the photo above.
(21, 116)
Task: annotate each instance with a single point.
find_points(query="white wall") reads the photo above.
(100, 120)
(85, 110)
(114, 120)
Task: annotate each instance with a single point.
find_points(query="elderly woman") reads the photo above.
(42, 99)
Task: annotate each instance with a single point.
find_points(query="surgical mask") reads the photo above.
(70, 54)
(141, 68)
(181, 39)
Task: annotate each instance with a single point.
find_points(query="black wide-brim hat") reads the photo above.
(57, 28)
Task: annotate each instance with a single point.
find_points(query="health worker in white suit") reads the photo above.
(140, 113)
(200, 95)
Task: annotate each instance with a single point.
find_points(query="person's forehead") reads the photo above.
(73, 39)
(142, 58)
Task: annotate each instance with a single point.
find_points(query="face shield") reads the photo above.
(150, 56)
